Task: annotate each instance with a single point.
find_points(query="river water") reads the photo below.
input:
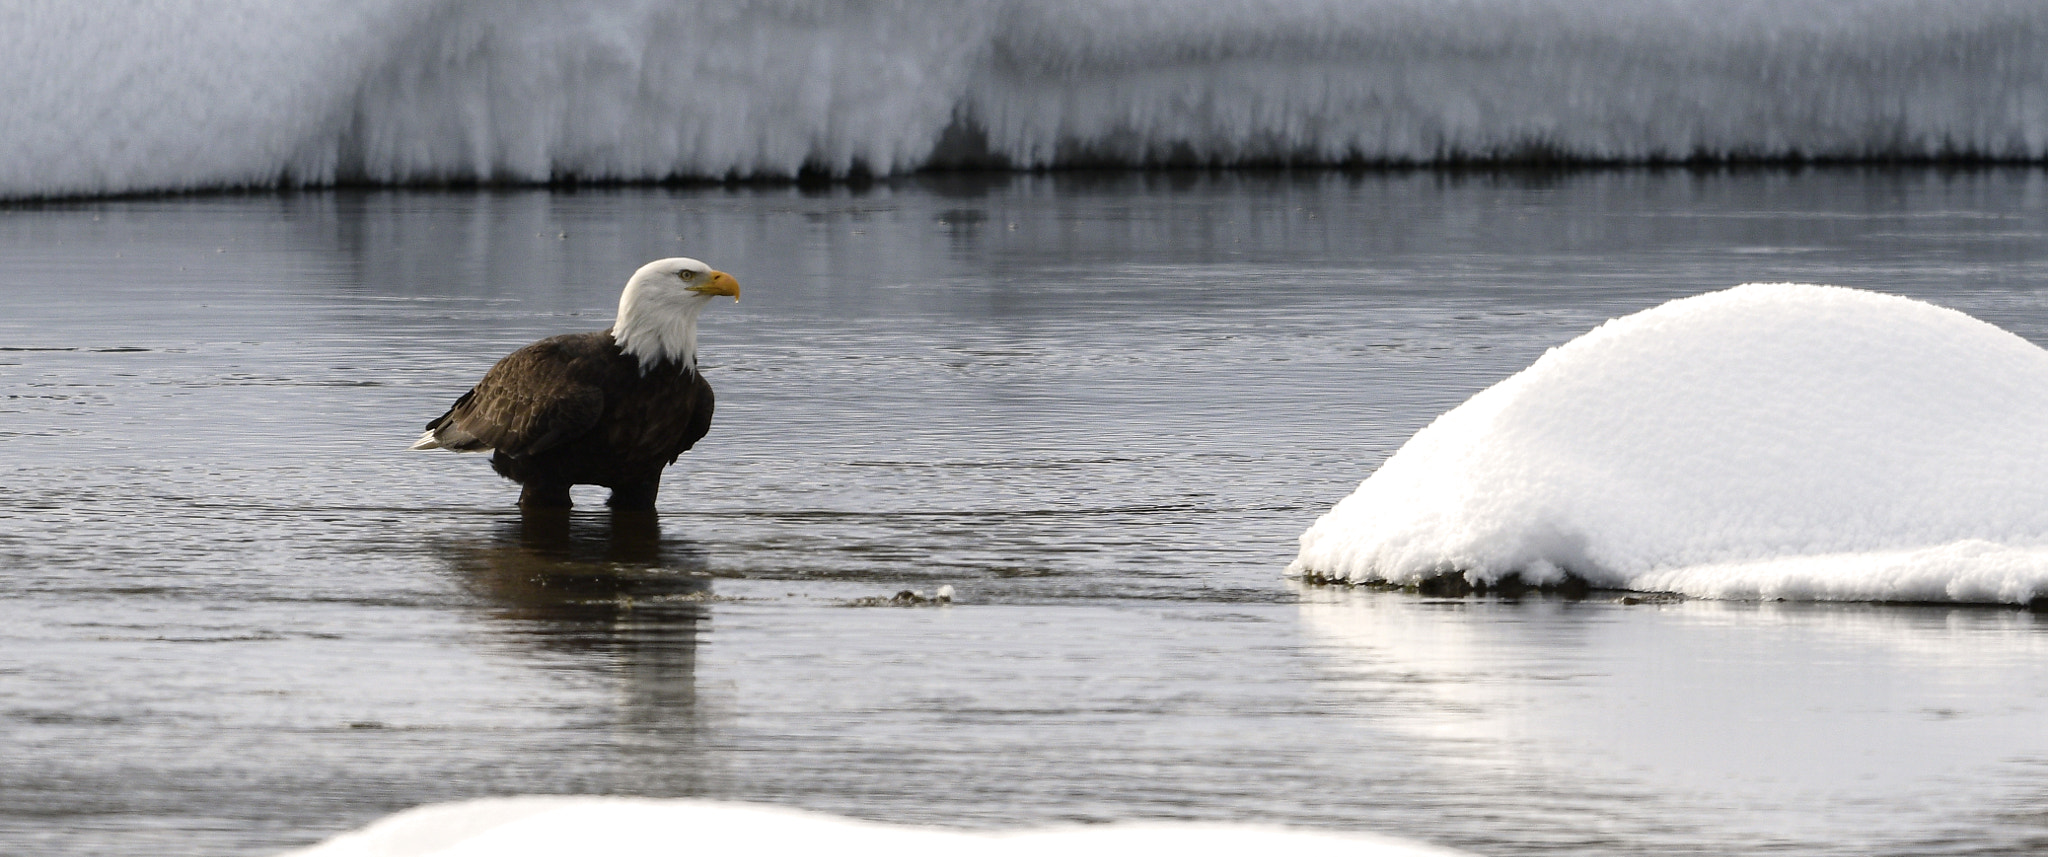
(238, 616)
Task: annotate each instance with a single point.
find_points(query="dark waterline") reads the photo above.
(967, 163)
(238, 616)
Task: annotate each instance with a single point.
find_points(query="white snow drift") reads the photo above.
(1768, 441)
(143, 95)
(643, 827)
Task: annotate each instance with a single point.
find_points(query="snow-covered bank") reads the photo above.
(1768, 441)
(630, 827)
(152, 95)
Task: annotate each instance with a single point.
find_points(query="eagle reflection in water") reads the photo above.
(606, 590)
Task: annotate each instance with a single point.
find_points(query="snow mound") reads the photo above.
(181, 94)
(1768, 441)
(632, 827)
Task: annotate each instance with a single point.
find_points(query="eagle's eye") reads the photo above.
(687, 275)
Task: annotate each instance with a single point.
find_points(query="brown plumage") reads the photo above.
(610, 407)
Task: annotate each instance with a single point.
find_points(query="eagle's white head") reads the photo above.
(658, 311)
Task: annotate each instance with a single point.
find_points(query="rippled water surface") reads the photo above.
(237, 616)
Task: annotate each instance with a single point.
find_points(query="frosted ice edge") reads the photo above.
(176, 95)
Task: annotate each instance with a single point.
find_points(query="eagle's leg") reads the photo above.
(544, 495)
(635, 496)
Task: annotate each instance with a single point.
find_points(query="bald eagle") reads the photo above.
(609, 407)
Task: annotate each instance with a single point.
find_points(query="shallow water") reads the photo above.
(238, 616)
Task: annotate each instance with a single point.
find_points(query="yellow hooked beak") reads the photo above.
(718, 283)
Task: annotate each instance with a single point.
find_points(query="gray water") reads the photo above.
(238, 616)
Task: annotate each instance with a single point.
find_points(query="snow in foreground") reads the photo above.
(1768, 441)
(631, 827)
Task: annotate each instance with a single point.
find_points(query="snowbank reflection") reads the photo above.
(1806, 721)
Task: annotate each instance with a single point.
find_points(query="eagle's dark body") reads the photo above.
(577, 409)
